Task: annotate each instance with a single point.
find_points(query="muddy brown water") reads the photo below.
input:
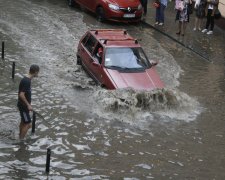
(175, 133)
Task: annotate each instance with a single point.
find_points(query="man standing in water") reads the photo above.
(24, 100)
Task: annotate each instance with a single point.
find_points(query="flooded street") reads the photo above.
(174, 133)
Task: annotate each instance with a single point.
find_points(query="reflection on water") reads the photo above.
(95, 133)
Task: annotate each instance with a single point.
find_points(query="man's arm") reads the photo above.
(23, 98)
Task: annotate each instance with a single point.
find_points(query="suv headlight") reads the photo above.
(114, 7)
(139, 7)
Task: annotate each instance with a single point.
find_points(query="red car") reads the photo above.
(116, 10)
(116, 60)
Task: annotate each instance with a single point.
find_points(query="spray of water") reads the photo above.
(136, 104)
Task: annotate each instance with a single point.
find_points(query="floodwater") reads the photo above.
(93, 133)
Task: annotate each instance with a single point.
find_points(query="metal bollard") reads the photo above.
(13, 70)
(33, 122)
(48, 160)
(3, 49)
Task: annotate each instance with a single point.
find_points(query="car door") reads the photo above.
(97, 67)
(87, 54)
(81, 2)
(89, 4)
(82, 50)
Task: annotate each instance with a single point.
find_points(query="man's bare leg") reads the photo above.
(23, 129)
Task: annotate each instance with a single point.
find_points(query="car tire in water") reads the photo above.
(100, 14)
(79, 61)
(71, 3)
(103, 86)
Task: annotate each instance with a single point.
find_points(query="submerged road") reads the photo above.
(91, 132)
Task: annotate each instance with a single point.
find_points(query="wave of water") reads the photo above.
(135, 105)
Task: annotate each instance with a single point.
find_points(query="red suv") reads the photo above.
(116, 10)
(116, 60)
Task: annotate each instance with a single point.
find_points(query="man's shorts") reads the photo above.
(25, 116)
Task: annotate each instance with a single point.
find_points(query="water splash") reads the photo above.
(144, 104)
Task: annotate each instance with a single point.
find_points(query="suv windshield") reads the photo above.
(126, 58)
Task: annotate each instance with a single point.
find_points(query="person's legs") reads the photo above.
(25, 123)
(161, 13)
(179, 27)
(212, 23)
(200, 24)
(209, 12)
(196, 23)
(21, 126)
(184, 27)
(208, 18)
(144, 5)
(24, 129)
(157, 15)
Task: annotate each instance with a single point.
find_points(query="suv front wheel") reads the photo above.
(79, 60)
(100, 14)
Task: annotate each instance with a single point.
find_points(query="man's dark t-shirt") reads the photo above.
(25, 86)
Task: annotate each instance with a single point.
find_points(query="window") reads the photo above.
(98, 53)
(126, 58)
(90, 44)
(85, 39)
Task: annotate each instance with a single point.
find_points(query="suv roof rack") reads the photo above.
(127, 39)
(96, 31)
(124, 30)
(104, 38)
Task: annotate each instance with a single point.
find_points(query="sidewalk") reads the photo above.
(211, 46)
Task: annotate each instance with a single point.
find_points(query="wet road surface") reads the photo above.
(177, 133)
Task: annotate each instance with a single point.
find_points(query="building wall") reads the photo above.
(222, 7)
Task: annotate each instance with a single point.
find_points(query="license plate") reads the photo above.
(129, 15)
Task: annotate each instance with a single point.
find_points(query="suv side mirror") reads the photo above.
(153, 63)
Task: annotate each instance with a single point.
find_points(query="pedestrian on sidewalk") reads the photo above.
(200, 6)
(24, 100)
(182, 15)
(144, 4)
(159, 17)
(211, 7)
